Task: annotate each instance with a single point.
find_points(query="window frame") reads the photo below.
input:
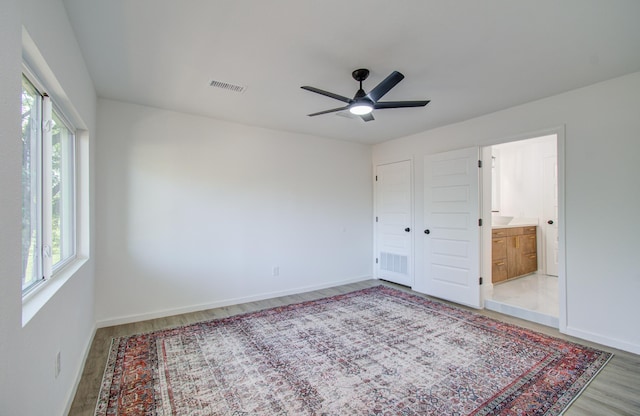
(48, 271)
(74, 189)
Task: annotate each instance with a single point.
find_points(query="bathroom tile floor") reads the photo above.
(533, 297)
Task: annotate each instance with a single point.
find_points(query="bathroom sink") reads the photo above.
(500, 220)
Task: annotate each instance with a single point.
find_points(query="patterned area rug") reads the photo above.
(376, 351)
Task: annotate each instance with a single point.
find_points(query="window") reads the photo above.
(48, 188)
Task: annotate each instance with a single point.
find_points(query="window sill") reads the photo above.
(35, 300)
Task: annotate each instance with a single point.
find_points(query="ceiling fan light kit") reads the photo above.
(362, 104)
(360, 108)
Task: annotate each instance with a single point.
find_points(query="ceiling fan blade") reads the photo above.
(327, 94)
(384, 87)
(333, 110)
(367, 117)
(400, 104)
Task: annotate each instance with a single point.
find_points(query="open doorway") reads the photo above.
(524, 244)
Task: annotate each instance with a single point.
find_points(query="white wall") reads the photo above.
(602, 201)
(194, 212)
(66, 322)
(10, 168)
(521, 176)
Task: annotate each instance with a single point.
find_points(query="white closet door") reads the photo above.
(451, 230)
(393, 223)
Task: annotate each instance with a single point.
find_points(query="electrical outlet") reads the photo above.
(58, 365)
(275, 271)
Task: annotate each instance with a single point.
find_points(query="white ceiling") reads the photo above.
(469, 57)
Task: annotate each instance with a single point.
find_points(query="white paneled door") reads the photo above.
(550, 208)
(393, 223)
(451, 230)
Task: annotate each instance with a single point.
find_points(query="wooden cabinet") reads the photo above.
(513, 252)
(499, 259)
(528, 251)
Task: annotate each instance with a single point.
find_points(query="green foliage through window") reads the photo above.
(48, 188)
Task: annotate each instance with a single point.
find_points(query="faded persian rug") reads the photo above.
(376, 351)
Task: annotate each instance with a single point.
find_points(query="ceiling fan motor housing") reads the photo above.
(360, 99)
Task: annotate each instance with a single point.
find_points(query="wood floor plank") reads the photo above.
(614, 392)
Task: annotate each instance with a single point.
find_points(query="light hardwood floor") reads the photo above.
(615, 391)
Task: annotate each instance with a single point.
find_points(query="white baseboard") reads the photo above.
(609, 342)
(224, 302)
(80, 370)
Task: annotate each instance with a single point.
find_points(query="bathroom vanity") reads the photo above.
(514, 251)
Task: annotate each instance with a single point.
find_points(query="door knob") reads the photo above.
(550, 222)
(427, 232)
(407, 229)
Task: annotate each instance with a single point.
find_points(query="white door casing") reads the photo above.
(550, 214)
(394, 242)
(451, 226)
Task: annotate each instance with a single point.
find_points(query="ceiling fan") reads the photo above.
(362, 104)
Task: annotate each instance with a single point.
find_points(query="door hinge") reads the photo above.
(376, 219)
(480, 280)
(479, 163)
(376, 260)
(479, 222)
(376, 178)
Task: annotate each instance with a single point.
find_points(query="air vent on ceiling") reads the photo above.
(228, 86)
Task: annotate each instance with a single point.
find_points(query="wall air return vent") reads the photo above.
(395, 263)
(227, 86)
